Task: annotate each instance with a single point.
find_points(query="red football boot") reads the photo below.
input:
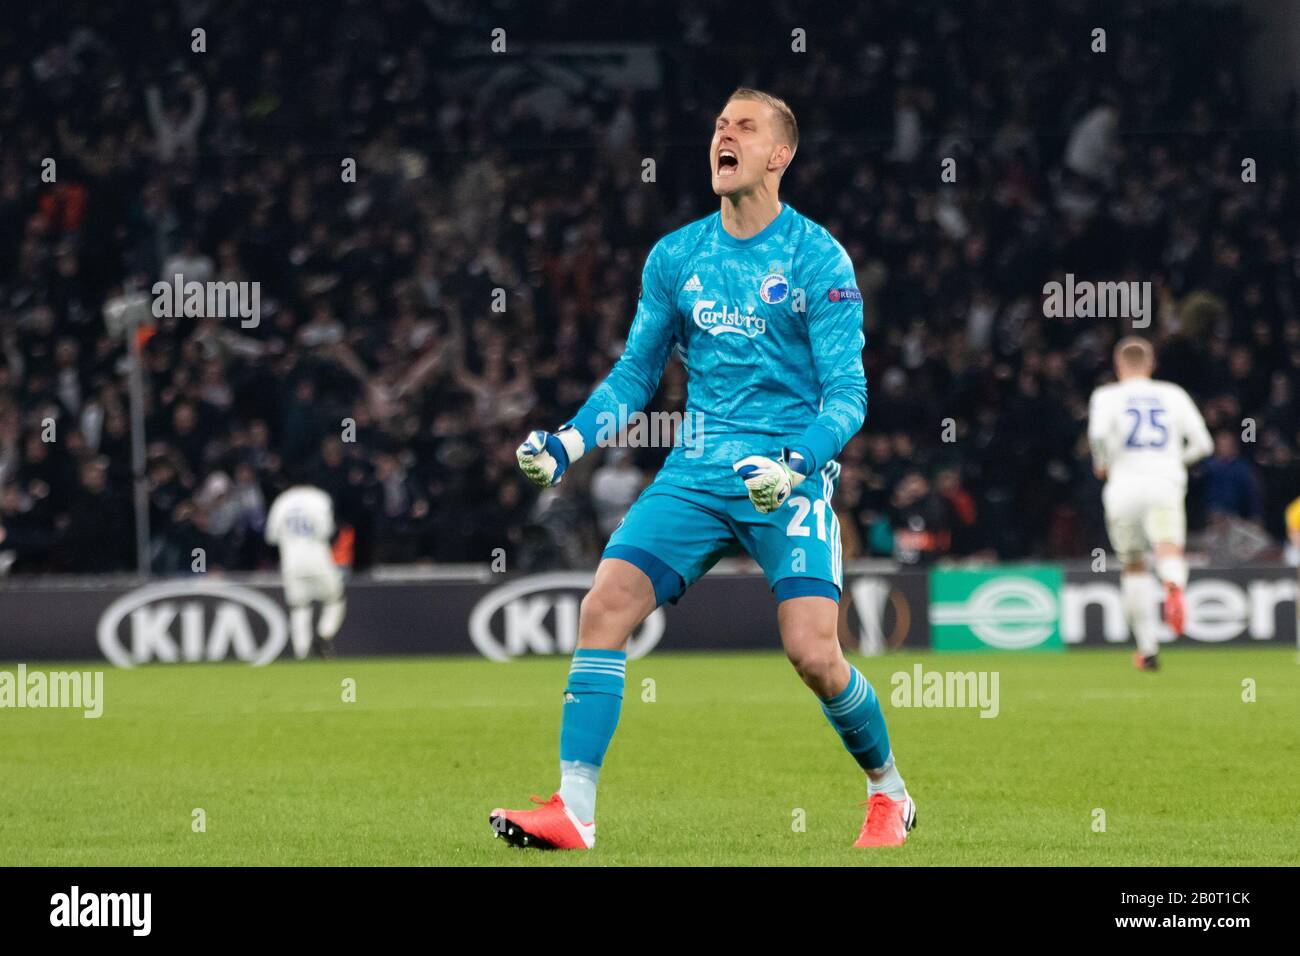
(1175, 609)
(552, 826)
(888, 821)
(1146, 663)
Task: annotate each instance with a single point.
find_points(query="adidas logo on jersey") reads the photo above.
(693, 284)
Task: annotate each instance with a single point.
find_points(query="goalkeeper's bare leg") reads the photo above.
(621, 597)
(810, 635)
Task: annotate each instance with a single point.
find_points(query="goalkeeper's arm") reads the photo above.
(544, 456)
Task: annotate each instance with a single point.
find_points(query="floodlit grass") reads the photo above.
(711, 772)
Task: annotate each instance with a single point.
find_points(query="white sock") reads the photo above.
(578, 788)
(300, 629)
(331, 618)
(1140, 610)
(1172, 571)
(886, 780)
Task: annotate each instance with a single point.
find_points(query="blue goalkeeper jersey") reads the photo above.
(770, 331)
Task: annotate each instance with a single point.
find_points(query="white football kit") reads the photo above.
(1144, 433)
(301, 523)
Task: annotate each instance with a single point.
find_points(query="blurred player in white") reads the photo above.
(1143, 434)
(301, 524)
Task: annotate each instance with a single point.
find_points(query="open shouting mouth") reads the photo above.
(728, 162)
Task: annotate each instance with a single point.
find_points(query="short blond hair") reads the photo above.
(779, 106)
(1134, 352)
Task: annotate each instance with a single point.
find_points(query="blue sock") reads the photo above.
(592, 701)
(855, 714)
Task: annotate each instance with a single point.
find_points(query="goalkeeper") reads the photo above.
(762, 306)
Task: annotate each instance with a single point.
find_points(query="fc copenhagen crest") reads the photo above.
(774, 288)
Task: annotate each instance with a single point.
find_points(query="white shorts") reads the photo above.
(314, 581)
(1142, 514)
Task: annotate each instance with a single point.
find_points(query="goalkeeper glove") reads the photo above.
(770, 482)
(544, 457)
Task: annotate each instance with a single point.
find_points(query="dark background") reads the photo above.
(522, 170)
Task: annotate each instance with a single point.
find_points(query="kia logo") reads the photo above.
(192, 621)
(538, 614)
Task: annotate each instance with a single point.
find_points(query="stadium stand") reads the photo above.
(377, 295)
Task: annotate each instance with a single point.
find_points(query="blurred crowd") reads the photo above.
(388, 370)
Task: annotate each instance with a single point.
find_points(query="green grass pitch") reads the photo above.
(713, 771)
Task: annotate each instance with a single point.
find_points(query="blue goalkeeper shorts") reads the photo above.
(676, 534)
